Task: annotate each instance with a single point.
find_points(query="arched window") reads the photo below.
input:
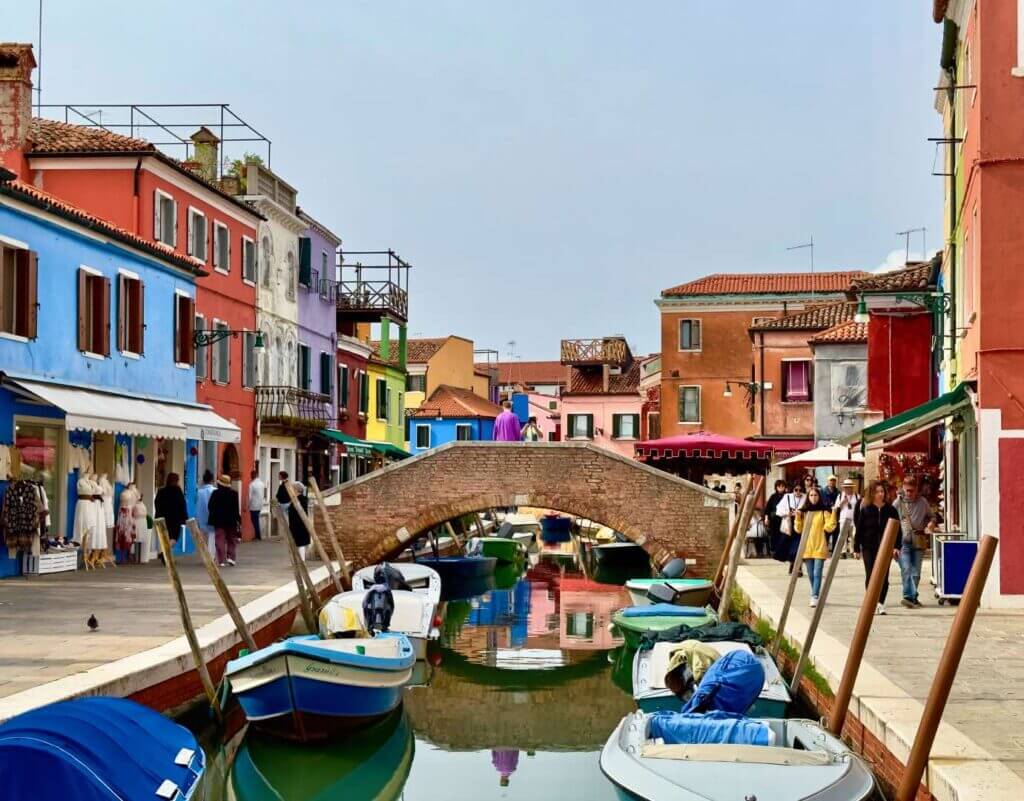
(264, 376)
(265, 256)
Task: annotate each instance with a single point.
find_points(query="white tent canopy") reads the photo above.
(831, 455)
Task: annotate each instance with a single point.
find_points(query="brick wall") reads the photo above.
(380, 512)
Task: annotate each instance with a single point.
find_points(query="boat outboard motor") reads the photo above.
(391, 576)
(378, 607)
(663, 594)
(674, 568)
(505, 531)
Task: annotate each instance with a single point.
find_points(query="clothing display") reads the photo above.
(20, 515)
(84, 523)
(122, 463)
(107, 494)
(140, 515)
(79, 459)
(124, 529)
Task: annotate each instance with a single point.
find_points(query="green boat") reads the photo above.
(632, 624)
(504, 550)
(694, 592)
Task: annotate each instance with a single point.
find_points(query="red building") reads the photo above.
(353, 405)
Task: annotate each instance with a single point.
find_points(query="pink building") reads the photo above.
(548, 411)
(602, 400)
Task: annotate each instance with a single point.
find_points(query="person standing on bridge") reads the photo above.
(506, 426)
(531, 433)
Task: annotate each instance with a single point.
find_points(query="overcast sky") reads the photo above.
(550, 166)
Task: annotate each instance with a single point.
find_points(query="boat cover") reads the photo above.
(378, 607)
(664, 610)
(96, 749)
(709, 632)
(680, 728)
(731, 684)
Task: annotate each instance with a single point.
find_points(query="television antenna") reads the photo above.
(924, 242)
(511, 348)
(809, 245)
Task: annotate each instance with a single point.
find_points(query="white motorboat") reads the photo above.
(801, 761)
(419, 577)
(525, 528)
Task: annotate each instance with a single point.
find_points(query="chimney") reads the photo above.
(16, 65)
(207, 152)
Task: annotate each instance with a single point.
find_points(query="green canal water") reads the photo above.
(515, 703)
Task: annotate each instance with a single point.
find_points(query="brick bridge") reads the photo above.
(376, 515)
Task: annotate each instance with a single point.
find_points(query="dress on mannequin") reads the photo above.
(139, 513)
(107, 491)
(82, 524)
(98, 526)
(125, 522)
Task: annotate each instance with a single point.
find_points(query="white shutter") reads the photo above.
(191, 225)
(157, 230)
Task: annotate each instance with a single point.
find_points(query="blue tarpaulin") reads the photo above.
(731, 684)
(679, 728)
(664, 610)
(96, 749)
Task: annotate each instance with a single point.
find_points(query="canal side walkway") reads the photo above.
(979, 749)
(47, 652)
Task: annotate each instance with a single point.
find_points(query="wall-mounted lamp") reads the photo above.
(862, 311)
(202, 337)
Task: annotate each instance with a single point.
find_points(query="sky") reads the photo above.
(549, 166)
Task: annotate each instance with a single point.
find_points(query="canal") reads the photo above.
(516, 702)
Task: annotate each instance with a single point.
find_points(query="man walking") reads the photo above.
(255, 501)
(845, 508)
(916, 522)
(225, 519)
(203, 512)
(830, 492)
(506, 426)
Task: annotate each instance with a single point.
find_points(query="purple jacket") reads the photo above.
(506, 427)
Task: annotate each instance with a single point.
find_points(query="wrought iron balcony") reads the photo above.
(605, 350)
(291, 409)
(363, 298)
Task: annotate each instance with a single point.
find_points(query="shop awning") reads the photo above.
(918, 418)
(387, 449)
(205, 424)
(831, 455)
(702, 445)
(784, 448)
(353, 445)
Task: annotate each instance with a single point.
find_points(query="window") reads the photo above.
(305, 262)
(221, 367)
(131, 306)
(305, 367)
(265, 256)
(323, 264)
(364, 393)
(202, 357)
(625, 426)
(165, 219)
(248, 259)
(197, 234)
(184, 328)
(342, 386)
(221, 247)
(423, 436)
(552, 405)
(552, 436)
(93, 313)
(689, 404)
(19, 282)
(796, 381)
(689, 335)
(249, 359)
(387, 405)
(463, 432)
(416, 383)
(326, 368)
(581, 426)
(382, 399)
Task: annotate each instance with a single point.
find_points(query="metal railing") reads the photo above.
(292, 407)
(604, 350)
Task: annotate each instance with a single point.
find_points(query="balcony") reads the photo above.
(369, 292)
(612, 351)
(292, 411)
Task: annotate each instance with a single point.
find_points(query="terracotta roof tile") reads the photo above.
(419, 351)
(37, 197)
(813, 318)
(449, 401)
(765, 283)
(527, 373)
(589, 381)
(915, 276)
(849, 332)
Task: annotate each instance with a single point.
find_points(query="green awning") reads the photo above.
(353, 445)
(918, 418)
(387, 449)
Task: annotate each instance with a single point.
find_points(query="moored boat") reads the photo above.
(801, 760)
(505, 550)
(459, 568)
(414, 615)
(633, 621)
(99, 749)
(420, 578)
(555, 528)
(307, 688)
(651, 694)
(620, 554)
(688, 592)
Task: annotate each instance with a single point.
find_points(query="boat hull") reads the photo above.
(455, 568)
(633, 628)
(620, 555)
(506, 551)
(693, 592)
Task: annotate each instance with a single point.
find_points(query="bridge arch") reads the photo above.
(376, 515)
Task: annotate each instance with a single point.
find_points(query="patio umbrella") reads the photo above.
(825, 456)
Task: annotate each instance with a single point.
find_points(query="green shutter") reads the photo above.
(616, 426)
(570, 422)
(305, 261)
(636, 426)
(590, 426)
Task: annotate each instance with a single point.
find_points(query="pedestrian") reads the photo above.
(299, 532)
(845, 507)
(506, 425)
(787, 510)
(778, 543)
(830, 492)
(225, 519)
(916, 523)
(872, 515)
(808, 482)
(203, 512)
(255, 499)
(813, 515)
(170, 505)
(757, 535)
(530, 432)
(282, 491)
(737, 494)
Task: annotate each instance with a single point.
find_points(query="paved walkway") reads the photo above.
(43, 619)
(986, 707)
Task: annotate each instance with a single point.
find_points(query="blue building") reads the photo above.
(96, 357)
(450, 414)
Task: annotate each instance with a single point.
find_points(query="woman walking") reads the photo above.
(811, 519)
(299, 532)
(170, 505)
(870, 520)
(778, 543)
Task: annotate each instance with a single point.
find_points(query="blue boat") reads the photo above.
(555, 528)
(459, 568)
(99, 749)
(306, 688)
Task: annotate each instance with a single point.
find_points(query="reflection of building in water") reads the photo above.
(585, 612)
(543, 608)
(505, 761)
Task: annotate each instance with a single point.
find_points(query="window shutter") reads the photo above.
(179, 329)
(306, 261)
(616, 425)
(191, 231)
(571, 423)
(695, 334)
(188, 350)
(142, 319)
(636, 426)
(105, 316)
(174, 216)
(590, 426)
(31, 284)
(83, 298)
(122, 314)
(157, 229)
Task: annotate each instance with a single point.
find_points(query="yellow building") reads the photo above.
(441, 360)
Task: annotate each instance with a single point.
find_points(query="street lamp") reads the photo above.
(862, 311)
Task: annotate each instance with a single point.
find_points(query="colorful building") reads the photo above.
(353, 382)
(839, 372)
(451, 414)
(542, 377)
(385, 424)
(440, 361)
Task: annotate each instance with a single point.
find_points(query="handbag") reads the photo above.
(787, 526)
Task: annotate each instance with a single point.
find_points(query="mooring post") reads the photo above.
(311, 529)
(305, 601)
(218, 582)
(949, 662)
(346, 577)
(186, 618)
(855, 654)
(794, 576)
(745, 513)
(731, 536)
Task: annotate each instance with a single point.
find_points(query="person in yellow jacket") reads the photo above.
(815, 514)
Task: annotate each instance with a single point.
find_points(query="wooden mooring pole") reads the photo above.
(739, 543)
(794, 577)
(724, 558)
(949, 662)
(186, 618)
(313, 536)
(306, 603)
(218, 582)
(855, 654)
(346, 577)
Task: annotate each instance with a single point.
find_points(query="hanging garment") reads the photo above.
(97, 522)
(82, 523)
(141, 520)
(5, 462)
(107, 491)
(20, 517)
(122, 463)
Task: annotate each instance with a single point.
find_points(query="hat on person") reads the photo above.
(833, 477)
(224, 481)
(848, 482)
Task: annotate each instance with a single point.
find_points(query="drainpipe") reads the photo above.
(136, 223)
(761, 392)
(950, 40)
